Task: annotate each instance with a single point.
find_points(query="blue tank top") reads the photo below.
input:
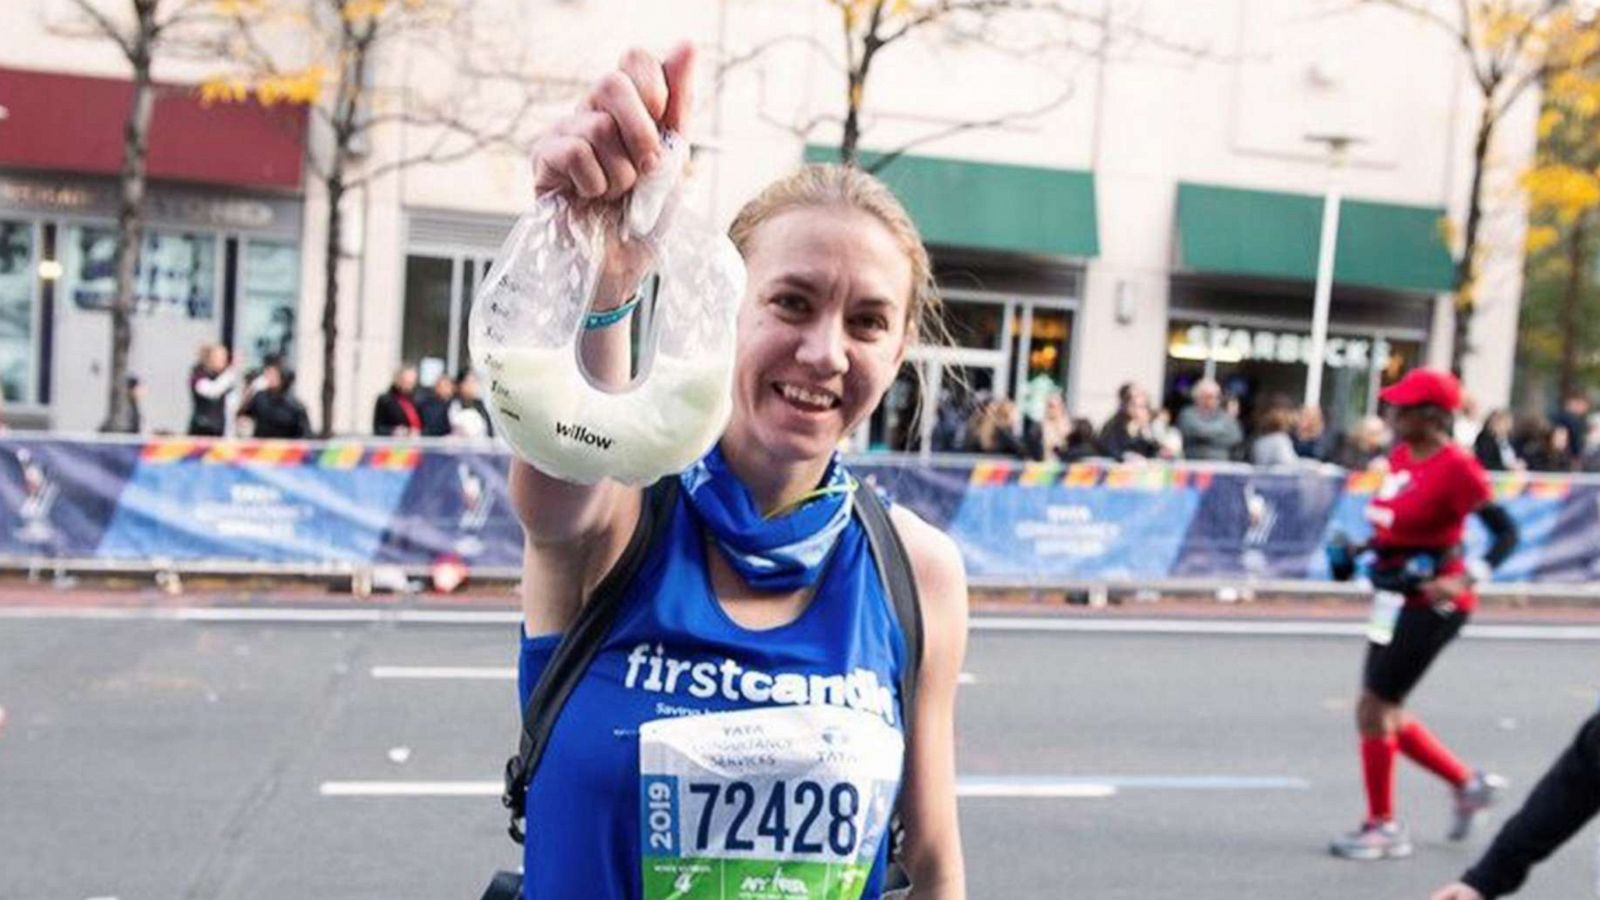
(665, 771)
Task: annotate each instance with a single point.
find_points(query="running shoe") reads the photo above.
(1374, 840)
(1473, 801)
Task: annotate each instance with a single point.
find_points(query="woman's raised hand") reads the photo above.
(613, 138)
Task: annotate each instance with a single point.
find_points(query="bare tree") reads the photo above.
(329, 54)
(1047, 30)
(141, 31)
(1509, 47)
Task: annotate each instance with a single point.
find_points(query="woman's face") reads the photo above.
(822, 330)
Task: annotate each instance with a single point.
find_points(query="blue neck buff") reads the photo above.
(781, 552)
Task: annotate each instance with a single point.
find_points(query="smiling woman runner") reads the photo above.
(1423, 595)
(756, 632)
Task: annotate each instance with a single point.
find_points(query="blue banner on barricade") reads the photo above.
(311, 503)
(258, 501)
(1569, 548)
(934, 492)
(1545, 508)
(1262, 524)
(457, 505)
(56, 497)
(1036, 523)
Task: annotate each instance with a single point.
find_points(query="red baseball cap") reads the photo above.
(1424, 386)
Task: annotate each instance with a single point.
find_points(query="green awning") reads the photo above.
(991, 206)
(1231, 231)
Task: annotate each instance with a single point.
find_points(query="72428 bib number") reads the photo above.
(777, 818)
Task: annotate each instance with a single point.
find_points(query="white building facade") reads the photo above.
(1145, 208)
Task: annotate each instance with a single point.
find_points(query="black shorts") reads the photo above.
(1419, 634)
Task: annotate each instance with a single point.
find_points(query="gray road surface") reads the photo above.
(150, 760)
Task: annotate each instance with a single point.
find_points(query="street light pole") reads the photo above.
(1337, 145)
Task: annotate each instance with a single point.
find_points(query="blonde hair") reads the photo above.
(831, 185)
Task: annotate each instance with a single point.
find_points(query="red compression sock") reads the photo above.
(1422, 748)
(1377, 768)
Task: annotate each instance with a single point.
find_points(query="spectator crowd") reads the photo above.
(1209, 426)
(1205, 425)
(225, 401)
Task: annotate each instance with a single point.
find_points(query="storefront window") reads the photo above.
(1256, 364)
(1017, 348)
(177, 273)
(268, 302)
(975, 324)
(1042, 355)
(439, 291)
(17, 358)
(427, 310)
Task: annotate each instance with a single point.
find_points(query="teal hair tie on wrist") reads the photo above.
(550, 283)
(611, 316)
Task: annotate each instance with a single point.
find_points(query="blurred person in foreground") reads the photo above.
(469, 418)
(1564, 800)
(395, 412)
(210, 382)
(273, 411)
(433, 406)
(1128, 435)
(1210, 432)
(1423, 594)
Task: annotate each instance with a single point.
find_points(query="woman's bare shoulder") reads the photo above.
(936, 563)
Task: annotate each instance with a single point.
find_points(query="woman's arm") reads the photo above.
(933, 856)
(215, 386)
(1503, 533)
(575, 533)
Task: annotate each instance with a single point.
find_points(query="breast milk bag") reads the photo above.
(528, 321)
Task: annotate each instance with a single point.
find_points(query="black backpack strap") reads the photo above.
(578, 648)
(894, 568)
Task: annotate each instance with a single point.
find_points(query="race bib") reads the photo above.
(765, 804)
(1386, 606)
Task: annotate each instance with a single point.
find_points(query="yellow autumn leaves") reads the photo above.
(305, 85)
(295, 88)
(1565, 184)
(856, 11)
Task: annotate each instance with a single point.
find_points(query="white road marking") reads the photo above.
(411, 789)
(446, 673)
(497, 673)
(1032, 789)
(1260, 628)
(978, 786)
(1042, 624)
